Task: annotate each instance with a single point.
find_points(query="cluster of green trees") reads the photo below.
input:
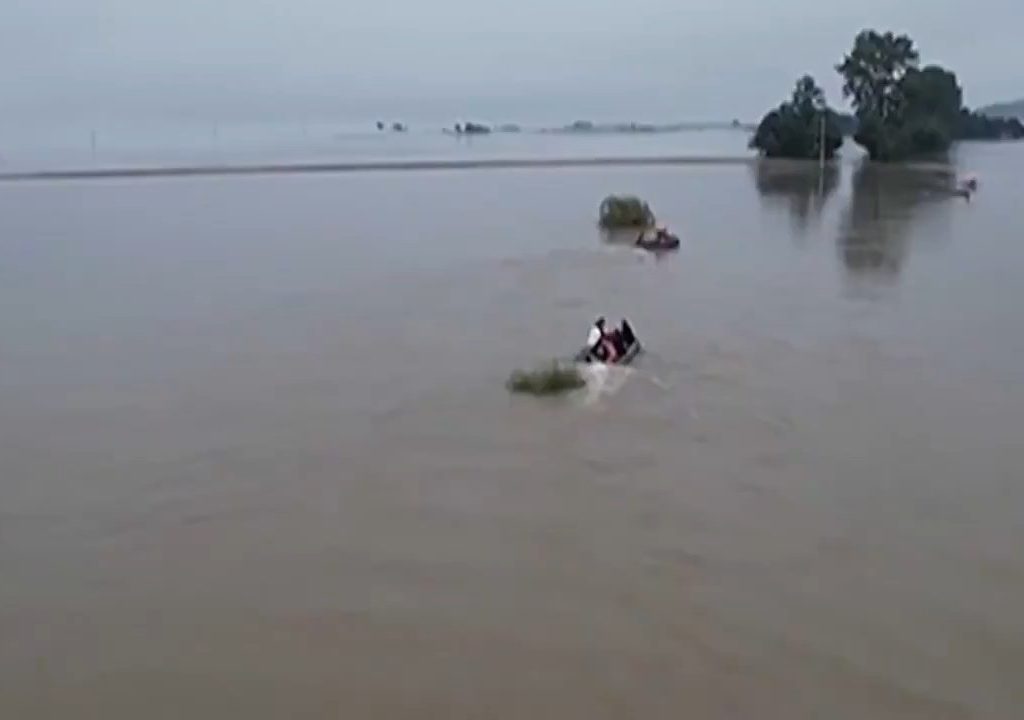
(793, 129)
(901, 110)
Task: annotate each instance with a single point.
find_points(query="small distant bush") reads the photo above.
(472, 128)
(552, 379)
(624, 211)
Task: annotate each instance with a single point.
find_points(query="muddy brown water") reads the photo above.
(256, 459)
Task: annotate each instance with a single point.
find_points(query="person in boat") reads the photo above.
(626, 335)
(967, 187)
(607, 346)
(598, 342)
(661, 236)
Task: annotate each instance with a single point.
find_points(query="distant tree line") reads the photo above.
(900, 109)
(976, 126)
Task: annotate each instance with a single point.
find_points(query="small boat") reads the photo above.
(624, 334)
(967, 187)
(585, 356)
(662, 239)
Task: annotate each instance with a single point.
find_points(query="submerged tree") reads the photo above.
(931, 92)
(873, 70)
(902, 111)
(793, 130)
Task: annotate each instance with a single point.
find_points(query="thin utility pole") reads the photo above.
(821, 154)
(821, 140)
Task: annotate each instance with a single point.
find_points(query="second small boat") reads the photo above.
(659, 239)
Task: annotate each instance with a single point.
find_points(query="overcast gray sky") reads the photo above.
(88, 60)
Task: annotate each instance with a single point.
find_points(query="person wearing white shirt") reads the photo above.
(596, 340)
(596, 334)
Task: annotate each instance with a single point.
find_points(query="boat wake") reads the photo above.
(603, 381)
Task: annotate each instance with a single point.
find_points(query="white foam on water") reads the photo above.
(603, 381)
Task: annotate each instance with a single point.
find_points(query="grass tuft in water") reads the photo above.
(625, 211)
(552, 379)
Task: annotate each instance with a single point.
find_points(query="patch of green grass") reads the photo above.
(625, 211)
(552, 379)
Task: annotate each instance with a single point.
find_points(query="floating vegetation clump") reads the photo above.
(625, 211)
(552, 379)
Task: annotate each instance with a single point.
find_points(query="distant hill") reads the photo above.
(1006, 109)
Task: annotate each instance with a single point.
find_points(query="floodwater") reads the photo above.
(257, 460)
(333, 144)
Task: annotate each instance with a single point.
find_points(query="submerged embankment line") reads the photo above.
(371, 166)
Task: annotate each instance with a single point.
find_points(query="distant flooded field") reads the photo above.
(257, 459)
(79, 149)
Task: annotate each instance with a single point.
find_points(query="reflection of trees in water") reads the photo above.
(884, 203)
(802, 187)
